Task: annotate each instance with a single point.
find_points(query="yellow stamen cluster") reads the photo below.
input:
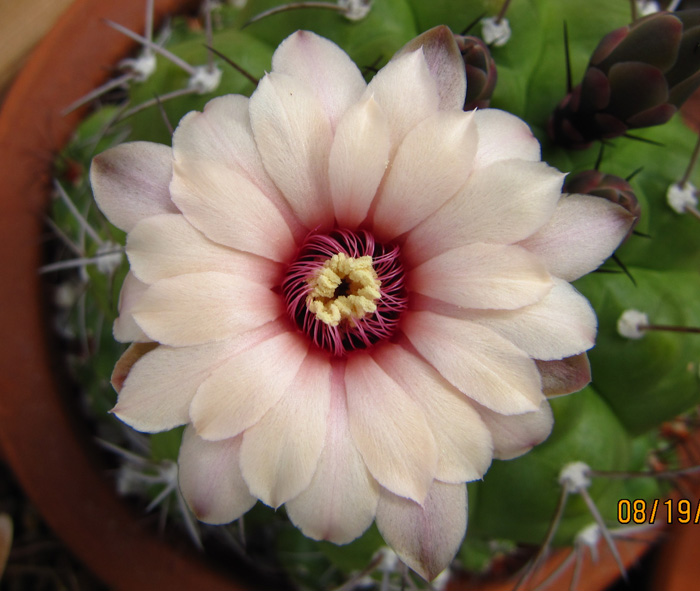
(361, 289)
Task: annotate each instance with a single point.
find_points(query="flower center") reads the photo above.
(345, 291)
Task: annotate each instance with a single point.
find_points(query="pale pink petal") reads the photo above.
(294, 137)
(390, 430)
(483, 276)
(280, 452)
(210, 478)
(582, 233)
(358, 159)
(478, 362)
(502, 203)
(463, 441)
(564, 376)
(243, 389)
(125, 329)
(341, 501)
(561, 325)
(503, 136)
(168, 245)
(202, 307)
(222, 134)
(324, 68)
(126, 362)
(445, 64)
(515, 435)
(425, 537)
(130, 182)
(431, 165)
(159, 388)
(406, 92)
(230, 210)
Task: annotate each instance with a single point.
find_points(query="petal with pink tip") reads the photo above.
(503, 136)
(406, 92)
(500, 204)
(294, 137)
(358, 159)
(125, 328)
(483, 276)
(210, 478)
(159, 388)
(246, 386)
(202, 307)
(168, 245)
(431, 165)
(425, 537)
(562, 324)
(280, 452)
(341, 501)
(390, 430)
(582, 233)
(222, 134)
(445, 64)
(515, 435)
(478, 362)
(324, 68)
(130, 182)
(230, 210)
(463, 441)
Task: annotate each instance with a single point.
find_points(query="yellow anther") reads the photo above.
(359, 289)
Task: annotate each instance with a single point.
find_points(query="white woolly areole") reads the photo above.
(141, 67)
(109, 257)
(205, 79)
(589, 536)
(576, 476)
(679, 198)
(628, 324)
(496, 33)
(355, 10)
(647, 7)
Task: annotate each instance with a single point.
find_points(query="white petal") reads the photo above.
(130, 182)
(445, 64)
(294, 137)
(406, 92)
(202, 307)
(231, 210)
(515, 435)
(431, 165)
(125, 328)
(463, 441)
(478, 362)
(483, 276)
(168, 245)
(210, 478)
(280, 452)
(561, 325)
(324, 68)
(358, 159)
(243, 389)
(582, 233)
(502, 203)
(503, 136)
(340, 503)
(390, 430)
(425, 537)
(157, 393)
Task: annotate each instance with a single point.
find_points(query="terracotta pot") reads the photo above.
(50, 451)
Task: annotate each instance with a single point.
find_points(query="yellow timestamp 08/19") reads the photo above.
(639, 511)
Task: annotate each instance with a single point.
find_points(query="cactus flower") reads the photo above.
(352, 294)
(638, 76)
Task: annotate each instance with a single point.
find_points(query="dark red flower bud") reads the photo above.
(481, 71)
(607, 186)
(638, 76)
